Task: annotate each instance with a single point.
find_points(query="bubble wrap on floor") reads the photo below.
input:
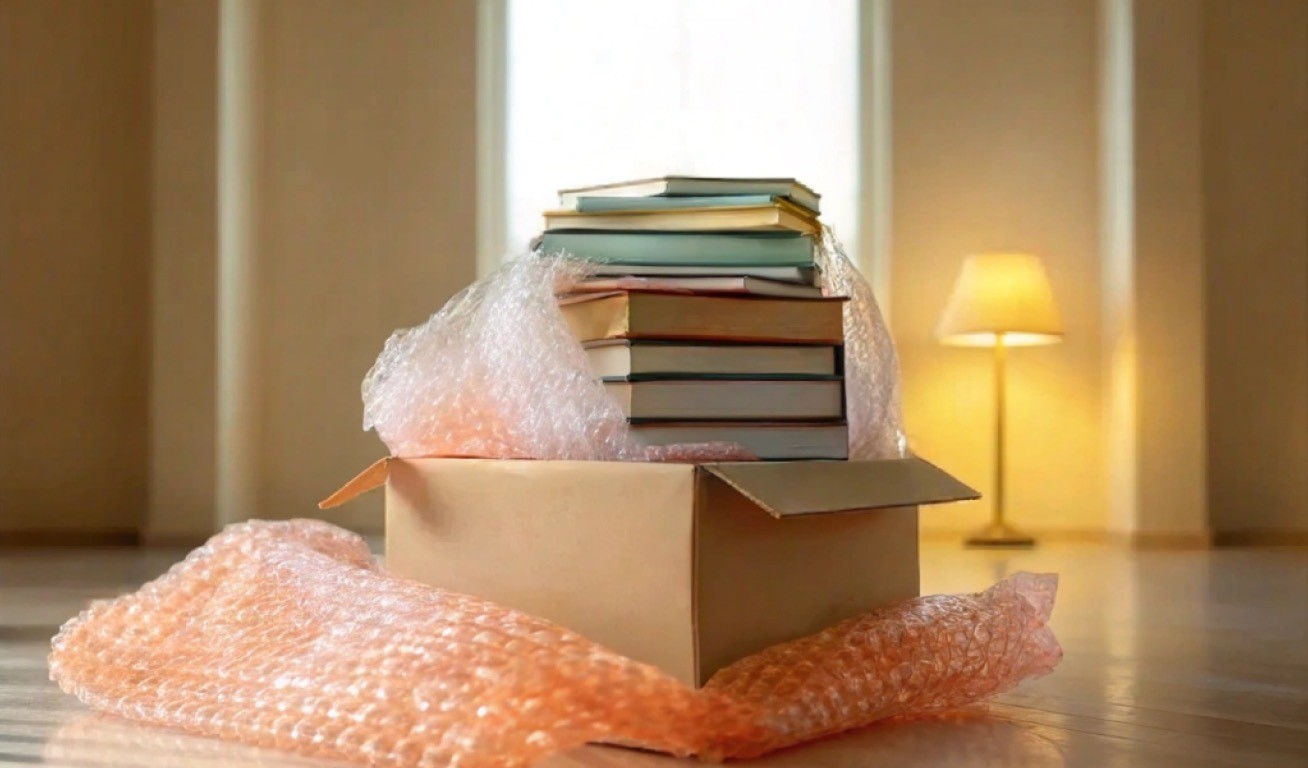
(290, 635)
(497, 374)
(920, 657)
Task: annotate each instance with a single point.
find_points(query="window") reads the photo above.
(610, 90)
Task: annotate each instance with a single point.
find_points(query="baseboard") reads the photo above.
(183, 539)
(1151, 540)
(1170, 540)
(1053, 536)
(120, 537)
(173, 540)
(1275, 537)
(71, 537)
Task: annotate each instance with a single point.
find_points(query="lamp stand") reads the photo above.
(998, 533)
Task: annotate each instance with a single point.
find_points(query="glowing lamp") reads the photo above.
(1000, 300)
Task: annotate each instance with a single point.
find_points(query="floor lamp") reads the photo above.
(1000, 300)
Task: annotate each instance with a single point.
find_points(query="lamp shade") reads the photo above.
(998, 294)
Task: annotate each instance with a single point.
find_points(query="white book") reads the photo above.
(620, 358)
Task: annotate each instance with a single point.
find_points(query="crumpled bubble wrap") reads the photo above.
(497, 374)
(919, 657)
(290, 635)
(872, 399)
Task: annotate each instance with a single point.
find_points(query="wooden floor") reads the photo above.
(1172, 658)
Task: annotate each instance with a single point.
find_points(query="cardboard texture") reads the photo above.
(686, 567)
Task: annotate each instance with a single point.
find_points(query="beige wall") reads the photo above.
(994, 122)
(74, 262)
(1255, 133)
(183, 363)
(369, 220)
(365, 183)
(1153, 291)
(363, 180)
(1168, 286)
(363, 132)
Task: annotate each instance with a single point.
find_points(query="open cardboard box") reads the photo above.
(686, 567)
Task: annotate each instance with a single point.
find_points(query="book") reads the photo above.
(603, 204)
(779, 216)
(684, 248)
(727, 400)
(620, 359)
(697, 186)
(742, 285)
(796, 275)
(769, 441)
(634, 315)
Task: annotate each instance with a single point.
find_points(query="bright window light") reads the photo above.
(610, 90)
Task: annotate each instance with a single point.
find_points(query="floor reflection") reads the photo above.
(93, 739)
(970, 738)
(1196, 659)
(973, 738)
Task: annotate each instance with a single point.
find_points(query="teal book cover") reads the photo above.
(614, 204)
(683, 248)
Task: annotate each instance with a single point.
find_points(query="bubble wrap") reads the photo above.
(919, 657)
(290, 635)
(872, 400)
(497, 374)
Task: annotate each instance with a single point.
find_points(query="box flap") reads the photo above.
(372, 477)
(787, 489)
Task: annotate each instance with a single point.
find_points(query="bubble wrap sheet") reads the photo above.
(497, 374)
(872, 400)
(290, 635)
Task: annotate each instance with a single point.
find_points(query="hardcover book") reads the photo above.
(724, 400)
(631, 315)
(768, 440)
(743, 285)
(777, 216)
(684, 248)
(797, 275)
(602, 204)
(697, 186)
(620, 358)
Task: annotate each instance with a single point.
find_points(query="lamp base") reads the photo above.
(1000, 536)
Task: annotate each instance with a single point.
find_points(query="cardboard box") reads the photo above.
(686, 567)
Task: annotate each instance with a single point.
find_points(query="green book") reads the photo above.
(697, 186)
(683, 248)
(606, 204)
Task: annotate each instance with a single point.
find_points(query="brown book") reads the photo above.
(633, 315)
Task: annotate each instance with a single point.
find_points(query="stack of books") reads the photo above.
(703, 317)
